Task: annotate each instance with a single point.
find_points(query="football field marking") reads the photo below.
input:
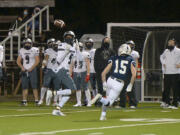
(150, 120)
(148, 134)
(36, 114)
(97, 133)
(97, 128)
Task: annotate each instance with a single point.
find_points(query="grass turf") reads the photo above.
(16, 120)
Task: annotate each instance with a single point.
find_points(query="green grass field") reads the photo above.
(148, 119)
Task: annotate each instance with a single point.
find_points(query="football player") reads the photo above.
(49, 64)
(1, 60)
(132, 95)
(29, 56)
(123, 71)
(81, 74)
(66, 52)
(89, 48)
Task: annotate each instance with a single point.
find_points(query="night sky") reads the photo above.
(91, 16)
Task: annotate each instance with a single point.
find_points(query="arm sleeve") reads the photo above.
(110, 60)
(134, 63)
(37, 52)
(162, 58)
(20, 53)
(137, 57)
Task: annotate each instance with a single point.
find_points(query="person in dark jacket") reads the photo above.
(101, 58)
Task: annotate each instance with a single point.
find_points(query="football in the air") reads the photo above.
(59, 23)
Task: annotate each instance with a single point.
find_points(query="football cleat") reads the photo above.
(23, 103)
(77, 105)
(102, 118)
(172, 107)
(163, 104)
(40, 102)
(88, 105)
(132, 107)
(58, 112)
(97, 97)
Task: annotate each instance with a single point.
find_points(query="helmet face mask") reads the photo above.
(89, 43)
(27, 43)
(55, 46)
(69, 37)
(50, 42)
(131, 43)
(124, 49)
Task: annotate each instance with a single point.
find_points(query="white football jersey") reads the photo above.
(80, 61)
(1, 54)
(135, 54)
(28, 56)
(52, 60)
(63, 58)
(92, 53)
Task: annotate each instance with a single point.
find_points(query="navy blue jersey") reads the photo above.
(121, 67)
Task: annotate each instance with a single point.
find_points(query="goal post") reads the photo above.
(151, 40)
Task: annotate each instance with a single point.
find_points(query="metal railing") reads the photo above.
(25, 28)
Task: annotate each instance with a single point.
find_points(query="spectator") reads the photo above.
(20, 20)
(170, 60)
(36, 21)
(101, 58)
(178, 66)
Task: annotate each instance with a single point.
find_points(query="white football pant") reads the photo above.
(114, 89)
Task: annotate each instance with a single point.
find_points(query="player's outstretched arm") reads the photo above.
(87, 60)
(133, 71)
(106, 70)
(71, 68)
(103, 75)
(133, 77)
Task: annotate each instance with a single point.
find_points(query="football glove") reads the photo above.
(87, 78)
(129, 87)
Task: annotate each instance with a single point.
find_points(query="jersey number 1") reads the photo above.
(122, 68)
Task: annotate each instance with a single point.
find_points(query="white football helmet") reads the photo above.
(124, 49)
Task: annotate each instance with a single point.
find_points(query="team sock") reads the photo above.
(104, 101)
(88, 95)
(63, 101)
(78, 96)
(43, 91)
(104, 108)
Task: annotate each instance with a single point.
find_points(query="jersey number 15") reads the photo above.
(122, 67)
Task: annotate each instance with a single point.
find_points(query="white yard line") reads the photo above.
(96, 133)
(97, 128)
(35, 114)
